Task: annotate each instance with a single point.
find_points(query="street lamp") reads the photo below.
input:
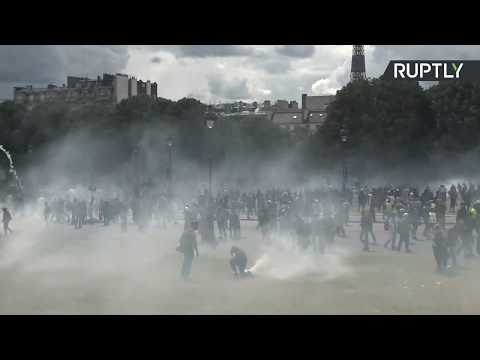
(344, 140)
(137, 166)
(210, 121)
(169, 170)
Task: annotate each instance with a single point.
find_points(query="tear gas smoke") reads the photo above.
(283, 260)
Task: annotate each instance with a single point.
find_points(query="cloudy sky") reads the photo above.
(211, 73)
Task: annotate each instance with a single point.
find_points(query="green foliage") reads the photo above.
(389, 123)
(393, 122)
(112, 132)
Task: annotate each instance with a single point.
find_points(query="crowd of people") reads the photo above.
(142, 207)
(315, 218)
(311, 218)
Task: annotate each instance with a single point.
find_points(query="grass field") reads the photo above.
(98, 270)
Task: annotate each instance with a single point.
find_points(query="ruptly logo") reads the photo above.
(432, 70)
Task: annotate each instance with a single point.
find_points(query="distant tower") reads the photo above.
(358, 63)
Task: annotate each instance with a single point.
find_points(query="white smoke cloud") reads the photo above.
(282, 260)
(324, 87)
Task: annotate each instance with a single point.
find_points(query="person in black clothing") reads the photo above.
(452, 193)
(329, 229)
(467, 195)
(366, 224)
(362, 200)
(371, 210)
(262, 222)
(426, 196)
(404, 232)
(462, 212)
(238, 262)
(234, 223)
(188, 246)
(222, 217)
(440, 248)
(452, 244)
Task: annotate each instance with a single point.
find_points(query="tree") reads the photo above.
(389, 122)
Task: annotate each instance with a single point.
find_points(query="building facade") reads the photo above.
(80, 90)
(132, 87)
(311, 116)
(120, 88)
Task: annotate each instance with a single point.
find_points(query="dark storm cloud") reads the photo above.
(93, 60)
(30, 63)
(228, 89)
(43, 64)
(297, 51)
(270, 65)
(156, 60)
(276, 67)
(204, 51)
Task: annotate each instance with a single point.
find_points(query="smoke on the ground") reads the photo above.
(283, 260)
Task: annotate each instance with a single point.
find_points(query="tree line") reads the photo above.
(389, 124)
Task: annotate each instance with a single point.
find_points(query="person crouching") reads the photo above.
(238, 262)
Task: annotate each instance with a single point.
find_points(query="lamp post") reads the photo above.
(210, 121)
(344, 140)
(134, 165)
(170, 164)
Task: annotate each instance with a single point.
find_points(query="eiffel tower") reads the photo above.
(358, 63)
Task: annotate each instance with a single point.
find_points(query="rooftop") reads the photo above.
(287, 117)
(318, 102)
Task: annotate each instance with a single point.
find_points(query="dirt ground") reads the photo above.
(99, 270)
